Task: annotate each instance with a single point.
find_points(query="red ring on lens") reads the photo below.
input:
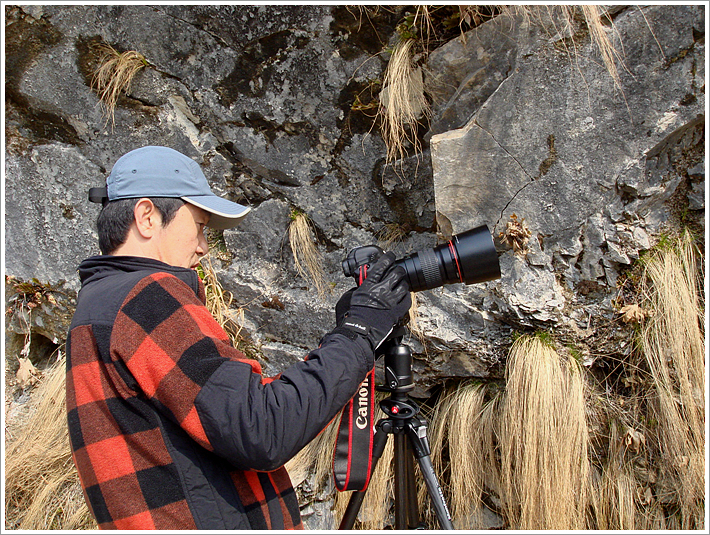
(456, 259)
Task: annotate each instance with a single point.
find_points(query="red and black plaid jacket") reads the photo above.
(170, 426)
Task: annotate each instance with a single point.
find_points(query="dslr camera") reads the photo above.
(469, 257)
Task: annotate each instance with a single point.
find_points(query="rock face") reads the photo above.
(585, 163)
(529, 135)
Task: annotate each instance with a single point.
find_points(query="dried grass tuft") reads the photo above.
(390, 235)
(543, 439)
(402, 102)
(114, 75)
(673, 344)
(562, 19)
(614, 489)
(463, 425)
(42, 489)
(219, 301)
(306, 255)
(593, 18)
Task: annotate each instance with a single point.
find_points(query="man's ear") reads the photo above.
(146, 217)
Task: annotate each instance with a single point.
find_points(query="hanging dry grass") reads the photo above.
(624, 472)
(42, 489)
(615, 490)
(543, 440)
(616, 497)
(114, 75)
(562, 19)
(306, 255)
(593, 18)
(218, 302)
(402, 102)
(673, 343)
(472, 16)
(463, 426)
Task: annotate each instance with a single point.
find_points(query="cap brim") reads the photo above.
(224, 214)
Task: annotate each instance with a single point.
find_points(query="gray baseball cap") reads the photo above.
(164, 172)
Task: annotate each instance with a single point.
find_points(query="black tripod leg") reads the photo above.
(383, 428)
(420, 444)
(412, 503)
(406, 510)
(435, 493)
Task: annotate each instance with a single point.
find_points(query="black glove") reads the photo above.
(378, 304)
(343, 305)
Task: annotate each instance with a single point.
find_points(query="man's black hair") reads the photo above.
(116, 217)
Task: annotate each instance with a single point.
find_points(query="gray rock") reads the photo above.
(696, 196)
(465, 72)
(554, 153)
(698, 171)
(50, 223)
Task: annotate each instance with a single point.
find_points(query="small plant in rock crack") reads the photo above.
(306, 256)
(114, 75)
(516, 234)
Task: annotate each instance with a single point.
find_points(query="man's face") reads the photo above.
(182, 242)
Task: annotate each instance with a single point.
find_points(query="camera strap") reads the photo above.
(352, 459)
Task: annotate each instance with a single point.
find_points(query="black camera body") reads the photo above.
(469, 257)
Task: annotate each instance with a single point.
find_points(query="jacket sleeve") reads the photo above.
(184, 362)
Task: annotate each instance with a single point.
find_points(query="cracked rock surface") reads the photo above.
(575, 155)
(273, 102)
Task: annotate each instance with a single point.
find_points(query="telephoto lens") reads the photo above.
(469, 257)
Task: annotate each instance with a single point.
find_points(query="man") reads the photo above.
(170, 426)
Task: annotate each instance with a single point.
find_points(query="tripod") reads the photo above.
(410, 441)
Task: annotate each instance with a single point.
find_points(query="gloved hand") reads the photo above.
(378, 304)
(343, 305)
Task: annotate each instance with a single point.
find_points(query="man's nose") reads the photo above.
(202, 246)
